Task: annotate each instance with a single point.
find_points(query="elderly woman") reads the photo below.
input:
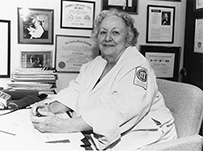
(115, 96)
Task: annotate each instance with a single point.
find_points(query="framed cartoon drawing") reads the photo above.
(35, 26)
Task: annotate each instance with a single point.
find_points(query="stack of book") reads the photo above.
(33, 79)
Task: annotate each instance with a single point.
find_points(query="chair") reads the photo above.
(185, 101)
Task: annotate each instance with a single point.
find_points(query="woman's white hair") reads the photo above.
(132, 33)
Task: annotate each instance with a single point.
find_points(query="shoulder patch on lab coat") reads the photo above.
(140, 77)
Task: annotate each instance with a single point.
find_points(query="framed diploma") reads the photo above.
(77, 14)
(5, 48)
(72, 52)
(164, 60)
(160, 24)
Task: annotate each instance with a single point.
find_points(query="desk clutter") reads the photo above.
(19, 99)
(33, 79)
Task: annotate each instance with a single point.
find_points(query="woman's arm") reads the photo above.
(49, 122)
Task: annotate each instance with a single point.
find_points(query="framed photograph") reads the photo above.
(77, 14)
(36, 59)
(160, 24)
(198, 4)
(130, 6)
(72, 52)
(35, 26)
(5, 44)
(164, 60)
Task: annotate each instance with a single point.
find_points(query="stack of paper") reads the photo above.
(33, 79)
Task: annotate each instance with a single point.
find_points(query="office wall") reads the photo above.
(8, 11)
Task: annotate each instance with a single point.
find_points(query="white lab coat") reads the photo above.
(125, 109)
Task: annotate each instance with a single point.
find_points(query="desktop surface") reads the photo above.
(18, 133)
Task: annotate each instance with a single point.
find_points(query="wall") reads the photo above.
(8, 11)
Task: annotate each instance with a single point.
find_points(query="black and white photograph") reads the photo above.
(101, 75)
(36, 59)
(35, 26)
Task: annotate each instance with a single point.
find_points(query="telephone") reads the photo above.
(4, 97)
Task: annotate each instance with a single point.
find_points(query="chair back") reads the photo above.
(185, 101)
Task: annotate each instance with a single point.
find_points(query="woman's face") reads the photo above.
(112, 38)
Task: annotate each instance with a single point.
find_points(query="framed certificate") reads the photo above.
(160, 24)
(72, 52)
(77, 14)
(164, 60)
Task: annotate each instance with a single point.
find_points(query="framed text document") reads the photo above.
(72, 52)
(164, 60)
(77, 14)
(160, 24)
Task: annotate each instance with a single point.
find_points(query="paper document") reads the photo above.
(23, 134)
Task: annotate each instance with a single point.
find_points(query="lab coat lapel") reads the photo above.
(112, 74)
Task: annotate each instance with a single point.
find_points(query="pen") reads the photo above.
(59, 141)
(7, 133)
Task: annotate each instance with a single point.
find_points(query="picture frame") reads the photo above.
(130, 6)
(160, 24)
(72, 52)
(198, 5)
(77, 14)
(5, 43)
(36, 59)
(198, 38)
(171, 0)
(35, 26)
(164, 60)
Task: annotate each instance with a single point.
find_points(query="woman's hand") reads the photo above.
(44, 120)
(38, 107)
(48, 122)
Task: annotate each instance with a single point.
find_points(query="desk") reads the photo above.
(23, 137)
